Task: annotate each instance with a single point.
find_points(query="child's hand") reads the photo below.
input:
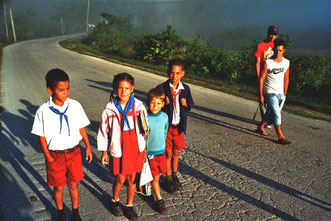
(183, 101)
(50, 159)
(89, 155)
(146, 134)
(167, 101)
(104, 158)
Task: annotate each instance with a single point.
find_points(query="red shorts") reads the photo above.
(175, 140)
(67, 166)
(158, 164)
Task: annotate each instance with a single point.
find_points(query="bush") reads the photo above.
(310, 73)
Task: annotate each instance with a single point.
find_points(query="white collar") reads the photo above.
(180, 86)
(51, 103)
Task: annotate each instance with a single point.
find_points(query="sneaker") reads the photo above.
(131, 214)
(176, 183)
(115, 208)
(61, 216)
(169, 187)
(160, 206)
(145, 190)
(75, 216)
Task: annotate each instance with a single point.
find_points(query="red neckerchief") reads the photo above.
(174, 96)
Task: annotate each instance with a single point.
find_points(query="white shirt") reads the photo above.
(274, 81)
(47, 124)
(176, 112)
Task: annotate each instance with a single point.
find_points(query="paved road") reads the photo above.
(228, 171)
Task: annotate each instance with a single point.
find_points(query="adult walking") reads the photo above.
(264, 51)
(273, 87)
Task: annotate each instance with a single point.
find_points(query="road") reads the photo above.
(228, 171)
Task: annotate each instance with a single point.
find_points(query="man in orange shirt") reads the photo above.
(264, 50)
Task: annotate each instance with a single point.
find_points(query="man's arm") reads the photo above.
(286, 80)
(44, 147)
(89, 154)
(261, 80)
(258, 67)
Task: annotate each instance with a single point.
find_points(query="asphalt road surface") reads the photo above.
(228, 171)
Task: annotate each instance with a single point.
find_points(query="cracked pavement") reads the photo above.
(228, 171)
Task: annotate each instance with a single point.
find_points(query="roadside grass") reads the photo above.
(1, 108)
(248, 92)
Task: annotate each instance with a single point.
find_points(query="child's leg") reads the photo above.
(120, 179)
(58, 197)
(131, 187)
(74, 193)
(168, 161)
(175, 159)
(156, 186)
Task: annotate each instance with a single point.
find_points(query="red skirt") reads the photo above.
(131, 160)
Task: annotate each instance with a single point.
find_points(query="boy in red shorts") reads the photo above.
(60, 124)
(158, 128)
(178, 102)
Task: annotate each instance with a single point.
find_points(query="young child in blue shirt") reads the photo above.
(158, 129)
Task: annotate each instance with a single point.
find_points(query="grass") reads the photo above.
(248, 92)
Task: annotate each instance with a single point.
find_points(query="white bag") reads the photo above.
(146, 174)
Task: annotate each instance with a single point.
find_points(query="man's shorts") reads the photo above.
(175, 140)
(158, 164)
(275, 103)
(67, 166)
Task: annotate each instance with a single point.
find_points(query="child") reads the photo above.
(178, 102)
(59, 140)
(158, 128)
(119, 133)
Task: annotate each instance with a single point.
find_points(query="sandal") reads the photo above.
(262, 132)
(283, 141)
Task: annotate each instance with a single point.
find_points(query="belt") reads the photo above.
(67, 151)
(174, 126)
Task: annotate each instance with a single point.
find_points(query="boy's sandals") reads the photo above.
(262, 132)
(283, 141)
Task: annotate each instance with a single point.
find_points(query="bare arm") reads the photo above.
(89, 154)
(44, 147)
(258, 67)
(104, 158)
(286, 80)
(261, 80)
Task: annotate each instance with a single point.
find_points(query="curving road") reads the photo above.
(228, 171)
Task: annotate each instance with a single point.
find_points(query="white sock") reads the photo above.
(115, 201)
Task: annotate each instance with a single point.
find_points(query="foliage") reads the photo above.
(310, 73)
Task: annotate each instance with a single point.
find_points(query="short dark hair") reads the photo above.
(155, 93)
(174, 62)
(279, 42)
(54, 76)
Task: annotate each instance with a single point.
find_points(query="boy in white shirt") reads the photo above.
(60, 124)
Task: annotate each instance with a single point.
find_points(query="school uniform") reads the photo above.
(177, 113)
(127, 147)
(158, 128)
(60, 126)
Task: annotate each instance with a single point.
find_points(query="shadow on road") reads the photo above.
(227, 125)
(15, 133)
(269, 182)
(223, 114)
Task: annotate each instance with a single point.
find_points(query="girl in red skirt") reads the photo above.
(120, 135)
